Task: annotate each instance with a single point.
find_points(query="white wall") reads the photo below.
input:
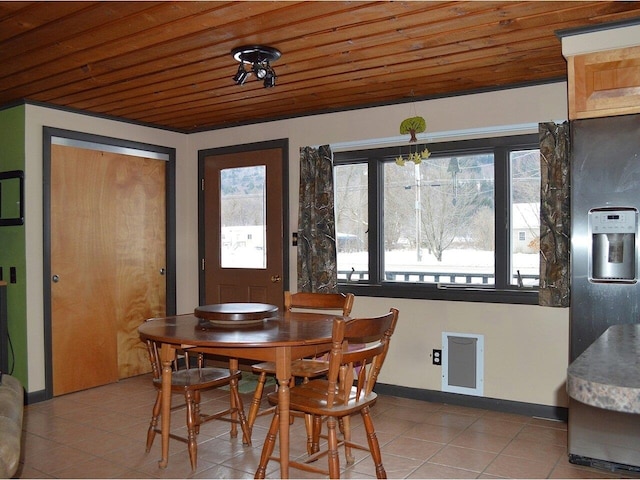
(526, 347)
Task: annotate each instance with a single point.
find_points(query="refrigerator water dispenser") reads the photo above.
(613, 244)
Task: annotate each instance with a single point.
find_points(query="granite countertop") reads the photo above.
(607, 374)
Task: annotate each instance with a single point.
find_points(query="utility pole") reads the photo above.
(416, 174)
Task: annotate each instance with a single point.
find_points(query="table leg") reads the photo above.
(233, 367)
(167, 355)
(283, 375)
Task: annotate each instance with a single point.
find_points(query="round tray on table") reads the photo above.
(235, 314)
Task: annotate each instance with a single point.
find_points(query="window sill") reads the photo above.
(456, 293)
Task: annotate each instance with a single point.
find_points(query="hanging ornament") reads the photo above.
(412, 126)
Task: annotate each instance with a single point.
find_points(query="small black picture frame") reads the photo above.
(11, 198)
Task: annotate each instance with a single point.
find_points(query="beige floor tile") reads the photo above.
(432, 470)
(552, 436)
(95, 468)
(496, 426)
(449, 419)
(409, 414)
(539, 451)
(411, 448)
(221, 471)
(101, 433)
(395, 466)
(515, 467)
(433, 433)
(464, 458)
(481, 441)
(474, 412)
(52, 461)
(25, 471)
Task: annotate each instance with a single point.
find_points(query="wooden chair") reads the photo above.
(348, 389)
(191, 380)
(304, 368)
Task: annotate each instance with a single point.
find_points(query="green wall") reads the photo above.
(12, 242)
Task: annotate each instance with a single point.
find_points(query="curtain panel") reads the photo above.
(317, 264)
(555, 215)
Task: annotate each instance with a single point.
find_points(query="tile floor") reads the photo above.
(101, 433)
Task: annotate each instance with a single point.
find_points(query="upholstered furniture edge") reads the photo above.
(11, 412)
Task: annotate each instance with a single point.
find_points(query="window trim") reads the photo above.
(502, 291)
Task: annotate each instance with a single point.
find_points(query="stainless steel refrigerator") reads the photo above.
(605, 283)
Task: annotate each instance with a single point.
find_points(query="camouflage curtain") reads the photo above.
(555, 218)
(317, 265)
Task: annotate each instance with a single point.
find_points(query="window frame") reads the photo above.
(502, 291)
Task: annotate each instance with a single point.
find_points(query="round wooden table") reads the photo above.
(281, 337)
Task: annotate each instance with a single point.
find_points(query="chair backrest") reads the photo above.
(319, 301)
(371, 337)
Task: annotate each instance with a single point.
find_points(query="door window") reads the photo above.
(243, 217)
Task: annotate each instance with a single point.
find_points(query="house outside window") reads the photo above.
(453, 226)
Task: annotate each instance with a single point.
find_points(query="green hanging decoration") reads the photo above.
(413, 126)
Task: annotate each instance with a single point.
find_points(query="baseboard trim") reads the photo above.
(35, 397)
(494, 404)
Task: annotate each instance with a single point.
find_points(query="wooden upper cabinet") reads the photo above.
(605, 83)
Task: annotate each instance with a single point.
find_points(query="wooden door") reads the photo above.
(108, 253)
(243, 223)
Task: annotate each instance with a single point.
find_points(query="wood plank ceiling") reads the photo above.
(169, 64)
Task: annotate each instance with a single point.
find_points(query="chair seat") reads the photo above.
(311, 398)
(199, 378)
(191, 377)
(306, 368)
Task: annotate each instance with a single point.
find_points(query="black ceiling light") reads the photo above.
(259, 59)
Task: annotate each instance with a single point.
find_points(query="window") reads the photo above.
(462, 224)
(242, 225)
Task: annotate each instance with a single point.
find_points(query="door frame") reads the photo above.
(118, 145)
(283, 145)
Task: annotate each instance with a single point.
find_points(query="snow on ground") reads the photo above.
(453, 260)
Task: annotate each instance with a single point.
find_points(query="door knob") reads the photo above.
(275, 278)
(55, 279)
(162, 271)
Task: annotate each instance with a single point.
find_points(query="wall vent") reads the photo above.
(463, 363)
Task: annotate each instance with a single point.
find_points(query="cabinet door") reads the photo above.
(108, 248)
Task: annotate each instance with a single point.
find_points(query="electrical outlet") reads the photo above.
(436, 357)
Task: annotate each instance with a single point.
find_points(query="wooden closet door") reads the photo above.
(108, 251)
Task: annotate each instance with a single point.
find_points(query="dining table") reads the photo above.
(250, 331)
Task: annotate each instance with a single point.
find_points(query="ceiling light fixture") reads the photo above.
(259, 59)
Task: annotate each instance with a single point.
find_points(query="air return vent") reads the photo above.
(463, 363)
